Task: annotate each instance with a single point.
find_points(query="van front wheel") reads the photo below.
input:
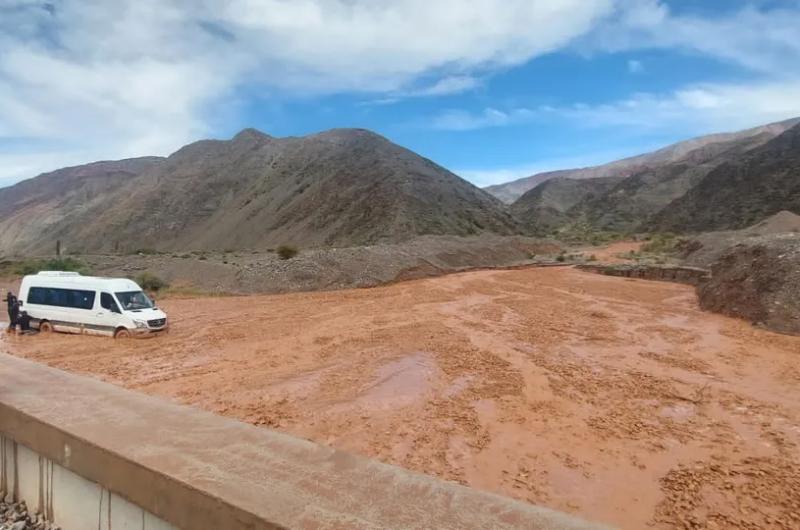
(122, 333)
(45, 327)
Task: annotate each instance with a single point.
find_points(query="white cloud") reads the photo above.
(447, 86)
(690, 111)
(99, 80)
(695, 109)
(108, 79)
(113, 79)
(461, 120)
(699, 108)
(357, 44)
(763, 40)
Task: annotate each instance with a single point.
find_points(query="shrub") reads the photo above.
(561, 258)
(34, 266)
(287, 251)
(150, 282)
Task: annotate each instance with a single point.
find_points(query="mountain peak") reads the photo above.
(349, 133)
(251, 134)
(343, 188)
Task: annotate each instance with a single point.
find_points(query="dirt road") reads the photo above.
(615, 399)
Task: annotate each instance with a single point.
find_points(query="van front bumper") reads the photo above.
(146, 332)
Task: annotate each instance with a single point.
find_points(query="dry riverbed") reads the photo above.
(615, 399)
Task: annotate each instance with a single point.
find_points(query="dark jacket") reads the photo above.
(12, 302)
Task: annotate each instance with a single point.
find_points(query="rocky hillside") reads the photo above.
(73, 185)
(338, 188)
(741, 191)
(630, 203)
(675, 153)
(547, 206)
(33, 210)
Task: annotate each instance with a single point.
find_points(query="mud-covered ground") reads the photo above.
(615, 399)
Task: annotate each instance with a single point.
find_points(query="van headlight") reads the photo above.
(140, 323)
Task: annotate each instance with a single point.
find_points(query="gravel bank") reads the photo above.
(15, 516)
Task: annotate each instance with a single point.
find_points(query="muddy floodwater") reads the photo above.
(614, 399)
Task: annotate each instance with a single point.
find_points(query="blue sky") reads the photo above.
(492, 89)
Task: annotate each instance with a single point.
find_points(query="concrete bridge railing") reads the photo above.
(91, 455)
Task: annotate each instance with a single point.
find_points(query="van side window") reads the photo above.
(107, 302)
(36, 295)
(76, 298)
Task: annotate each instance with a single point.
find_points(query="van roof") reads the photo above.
(73, 278)
(59, 274)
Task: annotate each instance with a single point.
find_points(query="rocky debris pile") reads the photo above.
(15, 516)
(780, 223)
(704, 249)
(758, 280)
(755, 272)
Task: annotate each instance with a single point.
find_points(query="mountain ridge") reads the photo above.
(341, 187)
(630, 203)
(509, 192)
(548, 205)
(742, 191)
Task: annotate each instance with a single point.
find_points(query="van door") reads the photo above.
(106, 318)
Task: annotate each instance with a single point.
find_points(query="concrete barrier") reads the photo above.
(81, 450)
(49, 489)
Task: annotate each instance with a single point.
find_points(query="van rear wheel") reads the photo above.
(122, 333)
(45, 327)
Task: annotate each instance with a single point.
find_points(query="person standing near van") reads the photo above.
(13, 310)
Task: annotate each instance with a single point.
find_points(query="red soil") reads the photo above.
(618, 400)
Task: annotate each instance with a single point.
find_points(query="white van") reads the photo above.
(69, 302)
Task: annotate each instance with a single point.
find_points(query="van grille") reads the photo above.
(157, 322)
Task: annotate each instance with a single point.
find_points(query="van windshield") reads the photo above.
(133, 300)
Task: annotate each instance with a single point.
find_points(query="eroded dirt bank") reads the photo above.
(615, 399)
